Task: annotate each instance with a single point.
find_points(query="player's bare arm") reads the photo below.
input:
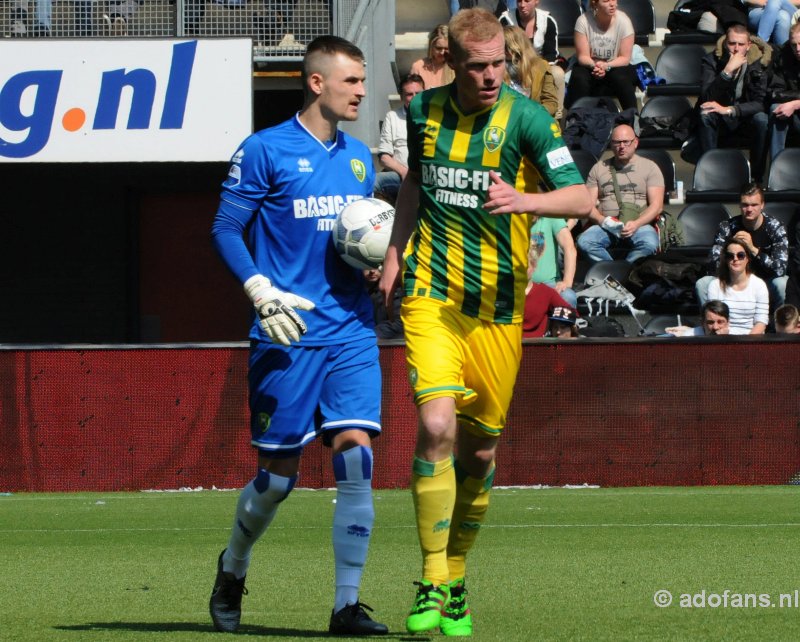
(572, 201)
(405, 219)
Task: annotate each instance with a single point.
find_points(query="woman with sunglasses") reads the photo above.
(746, 294)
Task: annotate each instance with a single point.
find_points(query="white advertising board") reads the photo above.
(124, 100)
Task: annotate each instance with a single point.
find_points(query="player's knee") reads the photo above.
(274, 485)
(354, 464)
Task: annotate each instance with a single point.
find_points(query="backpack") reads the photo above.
(670, 231)
(665, 280)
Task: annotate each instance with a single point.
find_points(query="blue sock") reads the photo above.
(257, 505)
(352, 521)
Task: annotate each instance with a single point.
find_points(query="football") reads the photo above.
(361, 232)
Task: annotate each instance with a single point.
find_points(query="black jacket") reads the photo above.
(786, 75)
(756, 80)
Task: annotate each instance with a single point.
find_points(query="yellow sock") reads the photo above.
(472, 502)
(433, 487)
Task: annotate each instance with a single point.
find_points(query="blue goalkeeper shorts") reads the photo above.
(297, 393)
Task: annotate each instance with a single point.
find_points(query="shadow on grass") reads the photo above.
(193, 627)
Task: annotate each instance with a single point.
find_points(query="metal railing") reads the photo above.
(285, 24)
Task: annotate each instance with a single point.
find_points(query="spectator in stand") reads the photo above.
(793, 279)
(765, 239)
(528, 73)
(563, 324)
(434, 69)
(733, 93)
(385, 327)
(540, 300)
(716, 320)
(547, 234)
(745, 294)
(629, 192)
(119, 15)
(497, 7)
(541, 29)
(785, 92)
(787, 319)
(771, 19)
(603, 46)
(393, 148)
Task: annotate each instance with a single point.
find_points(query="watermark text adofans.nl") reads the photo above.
(726, 599)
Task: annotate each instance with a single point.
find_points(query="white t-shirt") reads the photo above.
(748, 306)
(604, 45)
(394, 136)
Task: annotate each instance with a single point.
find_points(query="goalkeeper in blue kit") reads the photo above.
(313, 366)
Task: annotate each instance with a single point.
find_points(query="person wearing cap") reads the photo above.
(563, 323)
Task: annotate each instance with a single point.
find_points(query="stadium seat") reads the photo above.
(565, 13)
(700, 222)
(679, 65)
(584, 159)
(787, 213)
(609, 102)
(662, 158)
(669, 109)
(619, 269)
(690, 37)
(719, 176)
(783, 182)
(643, 16)
(660, 322)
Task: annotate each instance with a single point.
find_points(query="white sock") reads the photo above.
(352, 521)
(257, 505)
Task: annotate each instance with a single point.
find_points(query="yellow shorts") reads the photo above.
(449, 354)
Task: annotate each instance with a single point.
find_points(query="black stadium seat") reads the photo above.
(608, 102)
(783, 182)
(679, 65)
(662, 158)
(584, 159)
(719, 176)
(565, 13)
(690, 37)
(787, 213)
(700, 222)
(663, 107)
(643, 16)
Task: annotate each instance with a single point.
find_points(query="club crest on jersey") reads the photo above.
(555, 129)
(493, 138)
(359, 169)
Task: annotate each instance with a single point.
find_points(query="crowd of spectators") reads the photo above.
(750, 86)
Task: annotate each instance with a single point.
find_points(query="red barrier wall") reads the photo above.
(609, 413)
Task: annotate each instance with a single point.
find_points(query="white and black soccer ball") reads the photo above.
(361, 232)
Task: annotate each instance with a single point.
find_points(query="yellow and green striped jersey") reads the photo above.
(459, 253)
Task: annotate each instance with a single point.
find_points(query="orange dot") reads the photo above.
(73, 120)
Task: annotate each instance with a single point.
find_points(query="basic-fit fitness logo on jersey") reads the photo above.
(451, 181)
(28, 102)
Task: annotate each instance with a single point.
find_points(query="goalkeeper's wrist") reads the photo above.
(255, 284)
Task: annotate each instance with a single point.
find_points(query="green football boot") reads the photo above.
(456, 618)
(428, 605)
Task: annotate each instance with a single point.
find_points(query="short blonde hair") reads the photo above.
(474, 25)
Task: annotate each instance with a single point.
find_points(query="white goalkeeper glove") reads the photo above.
(612, 225)
(275, 310)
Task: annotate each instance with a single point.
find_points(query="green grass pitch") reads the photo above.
(550, 564)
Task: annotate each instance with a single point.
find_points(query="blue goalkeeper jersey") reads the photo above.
(278, 205)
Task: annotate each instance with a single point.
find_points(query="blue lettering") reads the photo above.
(39, 121)
(180, 74)
(143, 83)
